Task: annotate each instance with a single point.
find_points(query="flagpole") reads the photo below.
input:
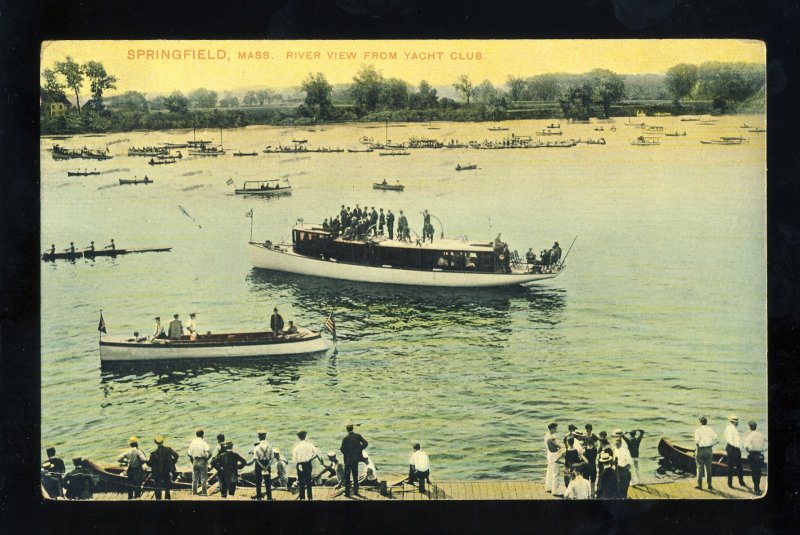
(99, 332)
(251, 225)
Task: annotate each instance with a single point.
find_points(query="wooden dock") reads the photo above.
(479, 490)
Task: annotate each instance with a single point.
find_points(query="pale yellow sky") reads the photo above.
(439, 62)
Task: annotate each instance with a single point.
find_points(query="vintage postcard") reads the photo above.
(403, 270)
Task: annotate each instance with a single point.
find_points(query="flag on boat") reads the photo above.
(330, 325)
(229, 182)
(249, 214)
(102, 325)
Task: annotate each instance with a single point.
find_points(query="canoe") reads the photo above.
(470, 167)
(388, 187)
(222, 346)
(123, 181)
(245, 154)
(397, 153)
(682, 458)
(62, 256)
(108, 477)
(82, 173)
(165, 161)
(359, 150)
(118, 252)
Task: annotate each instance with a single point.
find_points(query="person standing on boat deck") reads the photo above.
(733, 447)
(162, 463)
(373, 221)
(419, 467)
(381, 222)
(390, 224)
(175, 328)
(191, 326)
(402, 227)
(633, 440)
(302, 454)
(263, 456)
(281, 479)
(352, 448)
(276, 323)
(228, 464)
(426, 220)
(199, 453)
(555, 254)
(553, 452)
(705, 439)
(755, 443)
(134, 459)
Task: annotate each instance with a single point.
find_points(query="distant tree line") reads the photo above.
(720, 87)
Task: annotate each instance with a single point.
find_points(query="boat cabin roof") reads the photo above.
(442, 244)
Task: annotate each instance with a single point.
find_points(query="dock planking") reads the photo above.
(682, 489)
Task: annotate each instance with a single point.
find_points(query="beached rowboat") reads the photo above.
(212, 346)
(124, 181)
(682, 458)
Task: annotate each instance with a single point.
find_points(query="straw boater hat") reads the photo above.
(331, 454)
(617, 432)
(733, 418)
(605, 457)
(159, 439)
(132, 440)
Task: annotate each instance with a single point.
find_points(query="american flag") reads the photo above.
(330, 324)
(102, 325)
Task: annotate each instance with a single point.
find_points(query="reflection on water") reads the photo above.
(365, 310)
(278, 370)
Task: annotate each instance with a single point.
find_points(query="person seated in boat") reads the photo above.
(158, 331)
(262, 186)
(280, 479)
(384, 182)
(71, 249)
(544, 256)
(326, 225)
(292, 329)
(369, 478)
(335, 470)
(530, 256)
(111, 246)
(175, 328)
(52, 248)
(191, 326)
(91, 247)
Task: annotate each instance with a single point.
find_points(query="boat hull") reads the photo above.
(283, 259)
(683, 459)
(122, 350)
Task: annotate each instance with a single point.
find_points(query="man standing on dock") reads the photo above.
(199, 453)
(705, 439)
(162, 463)
(276, 323)
(755, 443)
(733, 447)
(352, 449)
(263, 455)
(633, 441)
(553, 451)
(302, 454)
(133, 459)
(419, 467)
(175, 328)
(228, 463)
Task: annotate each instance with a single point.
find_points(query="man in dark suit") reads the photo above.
(352, 449)
(276, 323)
(228, 463)
(175, 328)
(390, 224)
(162, 463)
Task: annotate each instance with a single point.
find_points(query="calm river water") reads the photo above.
(660, 316)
